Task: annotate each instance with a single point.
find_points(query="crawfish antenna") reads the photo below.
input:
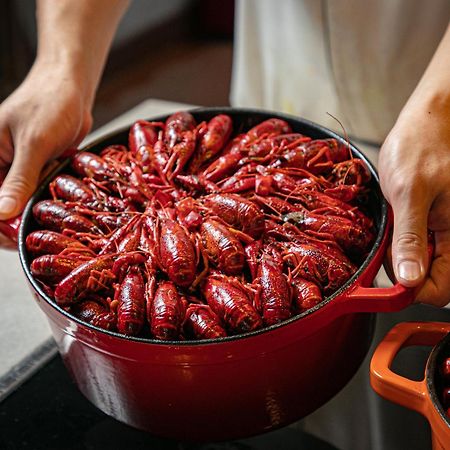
(345, 133)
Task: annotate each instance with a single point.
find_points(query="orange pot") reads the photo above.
(420, 396)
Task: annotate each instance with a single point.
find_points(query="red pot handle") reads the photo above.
(396, 388)
(10, 227)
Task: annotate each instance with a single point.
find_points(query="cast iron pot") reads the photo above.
(421, 396)
(236, 386)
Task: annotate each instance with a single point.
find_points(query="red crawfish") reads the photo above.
(244, 179)
(202, 323)
(267, 127)
(306, 294)
(96, 314)
(275, 296)
(252, 252)
(93, 166)
(228, 298)
(142, 137)
(237, 212)
(274, 144)
(222, 247)
(176, 253)
(130, 295)
(218, 131)
(314, 264)
(166, 312)
(176, 125)
(321, 154)
(53, 268)
(90, 276)
(350, 179)
(181, 153)
(43, 242)
(349, 235)
(55, 215)
(227, 162)
(321, 203)
(71, 189)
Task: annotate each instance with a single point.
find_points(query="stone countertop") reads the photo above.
(25, 337)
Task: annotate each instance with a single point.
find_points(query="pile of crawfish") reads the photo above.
(193, 232)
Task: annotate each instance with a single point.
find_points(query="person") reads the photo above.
(383, 67)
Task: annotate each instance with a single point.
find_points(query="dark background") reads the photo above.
(179, 50)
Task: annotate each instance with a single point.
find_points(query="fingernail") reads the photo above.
(7, 205)
(409, 270)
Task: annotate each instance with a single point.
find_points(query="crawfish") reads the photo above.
(141, 139)
(202, 323)
(44, 242)
(90, 276)
(227, 162)
(53, 268)
(222, 247)
(176, 125)
(349, 235)
(321, 154)
(56, 216)
(229, 300)
(177, 254)
(93, 166)
(306, 294)
(131, 303)
(275, 295)
(350, 178)
(237, 212)
(314, 264)
(96, 314)
(181, 153)
(321, 203)
(218, 132)
(71, 189)
(274, 144)
(166, 312)
(267, 127)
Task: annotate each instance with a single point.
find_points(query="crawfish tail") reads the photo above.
(202, 323)
(167, 312)
(131, 298)
(227, 298)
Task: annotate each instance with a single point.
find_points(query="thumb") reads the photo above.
(19, 184)
(409, 240)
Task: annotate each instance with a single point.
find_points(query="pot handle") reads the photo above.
(372, 299)
(396, 388)
(10, 227)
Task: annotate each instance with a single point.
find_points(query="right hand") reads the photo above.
(48, 113)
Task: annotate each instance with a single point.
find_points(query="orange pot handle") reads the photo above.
(398, 389)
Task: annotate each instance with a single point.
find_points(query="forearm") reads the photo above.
(433, 90)
(74, 36)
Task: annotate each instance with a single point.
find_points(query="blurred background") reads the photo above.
(179, 50)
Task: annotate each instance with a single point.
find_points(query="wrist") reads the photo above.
(69, 70)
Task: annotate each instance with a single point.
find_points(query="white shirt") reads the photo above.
(358, 60)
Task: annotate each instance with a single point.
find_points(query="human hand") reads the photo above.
(46, 114)
(414, 165)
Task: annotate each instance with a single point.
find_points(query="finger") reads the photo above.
(409, 240)
(436, 290)
(19, 184)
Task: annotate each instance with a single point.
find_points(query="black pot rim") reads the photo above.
(27, 215)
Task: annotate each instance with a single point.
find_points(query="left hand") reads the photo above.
(414, 165)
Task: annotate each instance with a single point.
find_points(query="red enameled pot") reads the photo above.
(421, 396)
(236, 386)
